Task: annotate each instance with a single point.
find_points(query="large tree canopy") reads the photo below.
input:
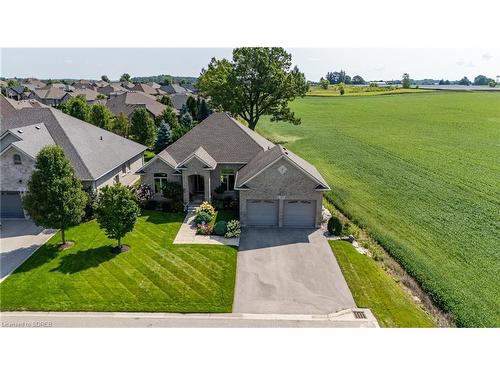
(55, 198)
(257, 82)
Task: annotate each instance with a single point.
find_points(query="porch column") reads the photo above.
(185, 186)
(208, 188)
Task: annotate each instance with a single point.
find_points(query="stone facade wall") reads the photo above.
(270, 184)
(159, 166)
(14, 177)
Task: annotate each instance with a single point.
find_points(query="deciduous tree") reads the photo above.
(256, 82)
(55, 198)
(406, 81)
(101, 116)
(77, 107)
(143, 129)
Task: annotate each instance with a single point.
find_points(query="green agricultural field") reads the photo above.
(421, 173)
(154, 275)
(352, 90)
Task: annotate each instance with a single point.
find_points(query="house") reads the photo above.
(91, 96)
(221, 158)
(8, 106)
(148, 89)
(99, 157)
(15, 92)
(174, 88)
(49, 95)
(83, 84)
(190, 88)
(127, 102)
(110, 89)
(32, 84)
(178, 100)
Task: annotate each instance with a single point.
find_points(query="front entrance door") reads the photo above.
(198, 184)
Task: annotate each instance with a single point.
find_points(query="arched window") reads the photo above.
(17, 159)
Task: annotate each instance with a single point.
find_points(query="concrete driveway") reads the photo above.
(288, 271)
(19, 239)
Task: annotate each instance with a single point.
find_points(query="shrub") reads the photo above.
(151, 205)
(143, 193)
(173, 191)
(218, 204)
(176, 206)
(233, 229)
(219, 189)
(203, 217)
(204, 229)
(166, 206)
(334, 226)
(350, 230)
(206, 207)
(220, 228)
(91, 205)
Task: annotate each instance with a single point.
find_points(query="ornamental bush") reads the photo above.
(334, 226)
(206, 207)
(220, 228)
(203, 217)
(233, 229)
(204, 229)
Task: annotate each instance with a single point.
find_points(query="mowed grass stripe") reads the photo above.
(154, 275)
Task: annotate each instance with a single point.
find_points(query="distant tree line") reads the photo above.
(335, 78)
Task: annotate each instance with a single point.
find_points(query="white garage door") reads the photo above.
(10, 205)
(262, 213)
(299, 214)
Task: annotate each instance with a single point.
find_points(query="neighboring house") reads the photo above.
(83, 84)
(8, 106)
(15, 92)
(91, 96)
(128, 85)
(178, 100)
(99, 157)
(174, 88)
(100, 84)
(148, 89)
(190, 88)
(49, 95)
(127, 102)
(32, 84)
(112, 88)
(274, 187)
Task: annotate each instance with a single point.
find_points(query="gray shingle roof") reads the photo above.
(127, 102)
(202, 155)
(222, 137)
(267, 157)
(8, 105)
(33, 138)
(174, 88)
(91, 150)
(178, 100)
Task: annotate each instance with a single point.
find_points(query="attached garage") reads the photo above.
(299, 213)
(262, 213)
(10, 205)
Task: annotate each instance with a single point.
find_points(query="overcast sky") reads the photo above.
(371, 63)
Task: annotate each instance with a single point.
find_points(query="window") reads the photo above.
(160, 181)
(17, 159)
(227, 179)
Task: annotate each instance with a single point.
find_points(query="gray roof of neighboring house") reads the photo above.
(267, 157)
(8, 105)
(222, 137)
(17, 89)
(178, 100)
(32, 138)
(91, 150)
(190, 87)
(111, 88)
(173, 88)
(127, 102)
(50, 92)
(90, 95)
(147, 89)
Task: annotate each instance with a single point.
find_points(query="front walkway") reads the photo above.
(288, 271)
(187, 235)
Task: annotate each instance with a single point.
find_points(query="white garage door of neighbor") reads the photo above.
(299, 214)
(262, 213)
(11, 206)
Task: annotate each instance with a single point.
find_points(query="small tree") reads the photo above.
(164, 137)
(121, 125)
(77, 107)
(117, 211)
(101, 116)
(406, 81)
(186, 120)
(143, 129)
(357, 80)
(125, 77)
(323, 83)
(168, 115)
(203, 110)
(143, 194)
(342, 89)
(193, 107)
(166, 100)
(55, 198)
(105, 78)
(464, 81)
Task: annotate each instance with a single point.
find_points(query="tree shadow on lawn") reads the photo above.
(84, 259)
(159, 217)
(42, 256)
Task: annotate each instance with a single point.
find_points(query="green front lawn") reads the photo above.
(154, 275)
(372, 288)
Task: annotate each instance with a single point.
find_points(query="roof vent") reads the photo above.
(20, 131)
(101, 137)
(37, 127)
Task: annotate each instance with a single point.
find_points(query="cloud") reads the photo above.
(486, 56)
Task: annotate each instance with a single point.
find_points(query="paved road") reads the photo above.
(288, 271)
(19, 239)
(94, 320)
